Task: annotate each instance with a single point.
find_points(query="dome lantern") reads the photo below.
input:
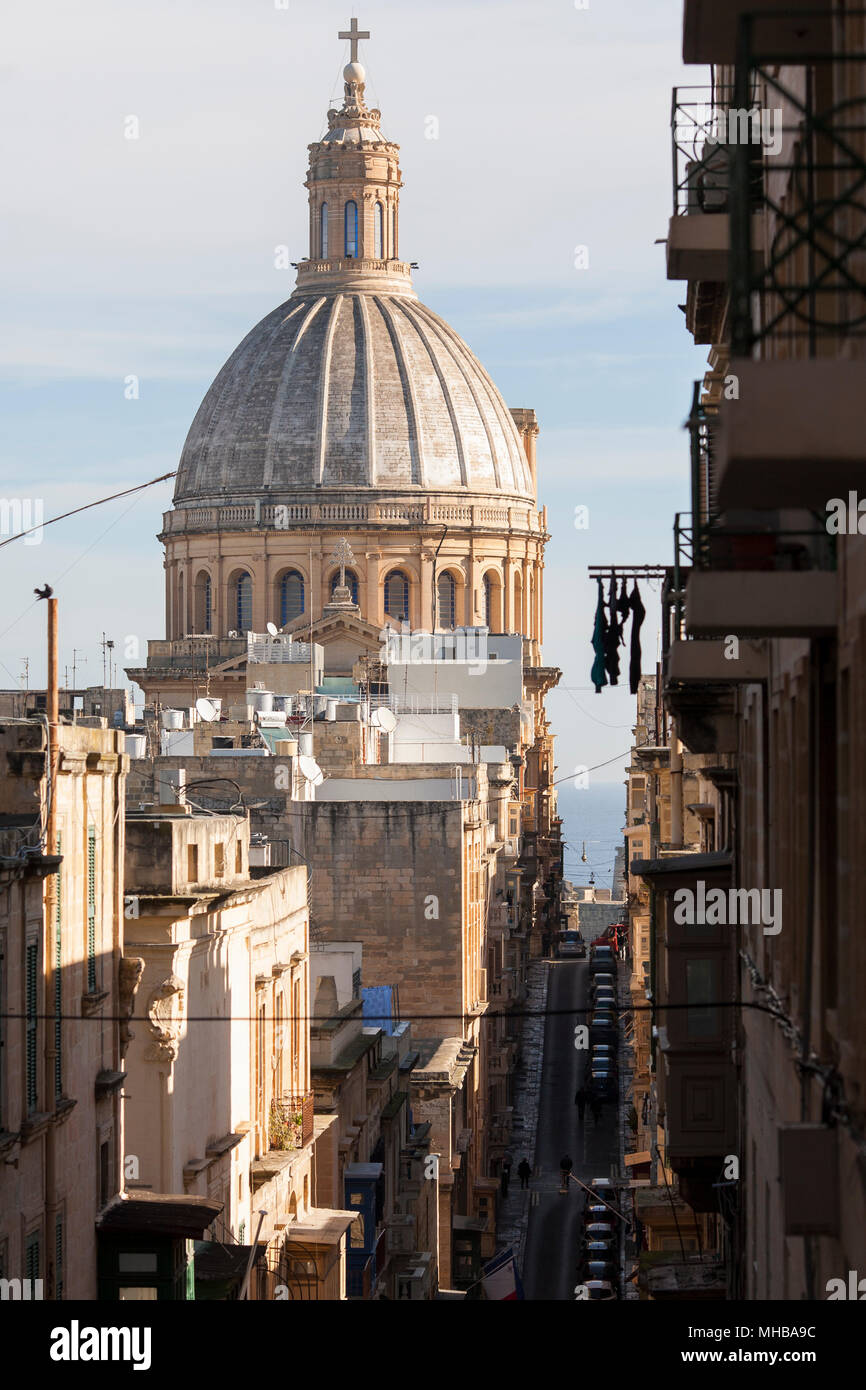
(354, 189)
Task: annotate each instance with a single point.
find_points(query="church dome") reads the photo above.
(349, 389)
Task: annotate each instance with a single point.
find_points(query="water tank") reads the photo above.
(136, 745)
(261, 700)
(305, 745)
(331, 711)
(172, 719)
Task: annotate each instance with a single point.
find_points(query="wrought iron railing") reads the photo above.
(810, 286)
(704, 126)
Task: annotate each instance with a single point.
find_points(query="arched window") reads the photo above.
(351, 583)
(488, 601)
(397, 596)
(181, 607)
(394, 231)
(379, 232)
(291, 597)
(323, 231)
(242, 602)
(446, 591)
(203, 603)
(518, 605)
(351, 221)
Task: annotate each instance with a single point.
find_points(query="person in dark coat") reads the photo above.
(580, 1100)
(524, 1172)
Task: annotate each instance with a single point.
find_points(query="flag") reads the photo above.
(500, 1277)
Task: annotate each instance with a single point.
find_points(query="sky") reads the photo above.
(534, 216)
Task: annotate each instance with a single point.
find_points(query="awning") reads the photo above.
(159, 1214)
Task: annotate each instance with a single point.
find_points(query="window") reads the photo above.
(91, 909)
(397, 596)
(394, 230)
(192, 863)
(291, 597)
(243, 602)
(58, 982)
(379, 232)
(106, 1190)
(351, 583)
(219, 860)
(239, 858)
(31, 1009)
(351, 230)
(701, 987)
(203, 606)
(488, 601)
(323, 231)
(446, 590)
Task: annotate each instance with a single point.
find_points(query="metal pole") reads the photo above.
(253, 1252)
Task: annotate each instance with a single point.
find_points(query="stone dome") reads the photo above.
(347, 391)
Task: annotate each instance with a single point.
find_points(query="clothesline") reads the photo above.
(608, 633)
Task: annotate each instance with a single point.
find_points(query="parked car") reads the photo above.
(599, 1230)
(600, 1290)
(595, 1211)
(604, 1086)
(602, 1026)
(596, 1269)
(603, 959)
(602, 980)
(604, 999)
(570, 943)
(603, 1050)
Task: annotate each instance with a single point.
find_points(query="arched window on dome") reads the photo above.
(491, 596)
(323, 232)
(203, 616)
(379, 232)
(394, 231)
(446, 594)
(351, 583)
(397, 596)
(181, 607)
(351, 230)
(518, 604)
(291, 597)
(242, 602)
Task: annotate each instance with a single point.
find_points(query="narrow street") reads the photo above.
(555, 1220)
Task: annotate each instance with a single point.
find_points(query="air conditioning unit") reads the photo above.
(708, 180)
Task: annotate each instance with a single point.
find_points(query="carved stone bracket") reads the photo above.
(164, 1015)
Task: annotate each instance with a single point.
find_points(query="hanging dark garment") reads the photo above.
(623, 609)
(638, 613)
(599, 637)
(611, 644)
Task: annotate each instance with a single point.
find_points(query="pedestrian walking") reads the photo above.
(505, 1176)
(595, 1107)
(524, 1172)
(580, 1098)
(565, 1167)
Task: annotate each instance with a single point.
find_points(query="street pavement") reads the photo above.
(555, 1220)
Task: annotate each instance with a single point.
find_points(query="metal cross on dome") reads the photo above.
(353, 35)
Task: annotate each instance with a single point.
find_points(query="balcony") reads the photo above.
(698, 242)
(290, 1124)
(795, 436)
(760, 604)
(792, 28)
(707, 662)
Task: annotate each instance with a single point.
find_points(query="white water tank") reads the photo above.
(305, 745)
(261, 700)
(136, 745)
(172, 719)
(331, 711)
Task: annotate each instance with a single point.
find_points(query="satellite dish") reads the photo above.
(206, 710)
(311, 770)
(387, 720)
(272, 629)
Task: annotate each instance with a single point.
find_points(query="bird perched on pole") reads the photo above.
(44, 593)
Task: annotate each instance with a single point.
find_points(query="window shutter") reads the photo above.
(30, 1007)
(91, 909)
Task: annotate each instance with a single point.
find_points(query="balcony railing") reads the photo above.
(810, 286)
(290, 1124)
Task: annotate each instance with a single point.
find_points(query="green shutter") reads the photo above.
(31, 1257)
(30, 1011)
(58, 984)
(91, 909)
(58, 1257)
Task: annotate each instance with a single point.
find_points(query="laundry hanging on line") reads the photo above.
(611, 617)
